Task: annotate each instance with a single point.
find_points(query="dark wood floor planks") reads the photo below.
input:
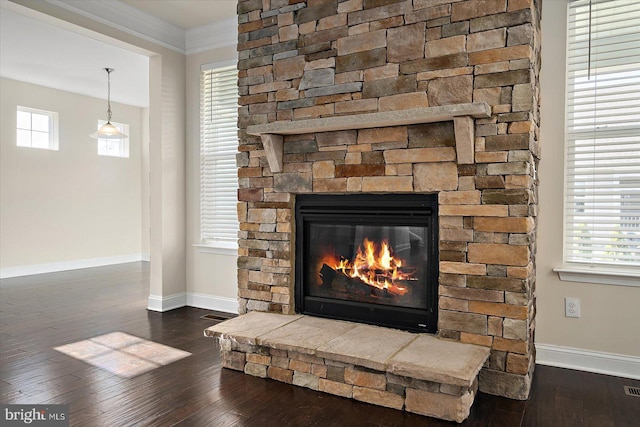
(38, 313)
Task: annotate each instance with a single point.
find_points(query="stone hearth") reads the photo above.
(327, 61)
(416, 372)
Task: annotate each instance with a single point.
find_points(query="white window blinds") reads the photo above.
(218, 148)
(602, 206)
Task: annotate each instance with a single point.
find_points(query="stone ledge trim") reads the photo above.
(461, 114)
(249, 328)
(432, 359)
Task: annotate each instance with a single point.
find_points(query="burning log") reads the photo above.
(327, 274)
(373, 271)
(342, 281)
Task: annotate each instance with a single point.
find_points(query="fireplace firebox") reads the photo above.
(370, 258)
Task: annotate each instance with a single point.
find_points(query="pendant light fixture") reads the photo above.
(108, 131)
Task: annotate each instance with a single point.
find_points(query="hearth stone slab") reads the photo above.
(415, 372)
(305, 335)
(245, 329)
(365, 345)
(431, 359)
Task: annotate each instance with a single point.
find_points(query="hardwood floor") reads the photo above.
(38, 313)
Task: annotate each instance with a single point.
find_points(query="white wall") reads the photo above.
(211, 277)
(609, 314)
(168, 182)
(69, 205)
(145, 227)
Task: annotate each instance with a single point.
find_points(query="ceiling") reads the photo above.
(186, 14)
(38, 50)
(40, 53)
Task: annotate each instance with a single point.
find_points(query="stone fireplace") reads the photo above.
(399, 97)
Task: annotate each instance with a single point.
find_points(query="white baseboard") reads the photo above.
(191, 299)
(145, 257)
(587, 360)
(212, 302)
(52, 267)
(161, 304)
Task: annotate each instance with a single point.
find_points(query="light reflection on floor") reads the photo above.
(122, 354)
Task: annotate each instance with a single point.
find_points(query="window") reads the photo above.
(36, 128)
(631, 210)
(602, 205)
(114, 147)
(218, 148)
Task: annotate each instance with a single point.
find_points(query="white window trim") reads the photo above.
(598, 275)
(124, 148)
(214, 246)
(219, 248)
(53, 132)
(607, 274)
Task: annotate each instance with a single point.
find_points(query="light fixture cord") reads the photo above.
(108, 95)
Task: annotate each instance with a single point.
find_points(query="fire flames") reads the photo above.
(374, 265)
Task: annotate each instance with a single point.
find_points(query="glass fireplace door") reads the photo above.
(368, 258)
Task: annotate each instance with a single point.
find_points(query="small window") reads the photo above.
(36, 128)
(114, 147)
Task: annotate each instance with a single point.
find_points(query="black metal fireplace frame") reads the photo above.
(383, 209)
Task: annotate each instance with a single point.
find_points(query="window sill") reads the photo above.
(219, 249)
(599, 276)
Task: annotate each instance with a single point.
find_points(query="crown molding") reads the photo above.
(212, 36)
(123, 17)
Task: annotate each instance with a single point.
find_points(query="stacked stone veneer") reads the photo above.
(322, 58)
(435, 399)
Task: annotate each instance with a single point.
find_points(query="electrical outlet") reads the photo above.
(571, 307)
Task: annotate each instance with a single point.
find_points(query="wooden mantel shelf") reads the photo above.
(462, 116)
